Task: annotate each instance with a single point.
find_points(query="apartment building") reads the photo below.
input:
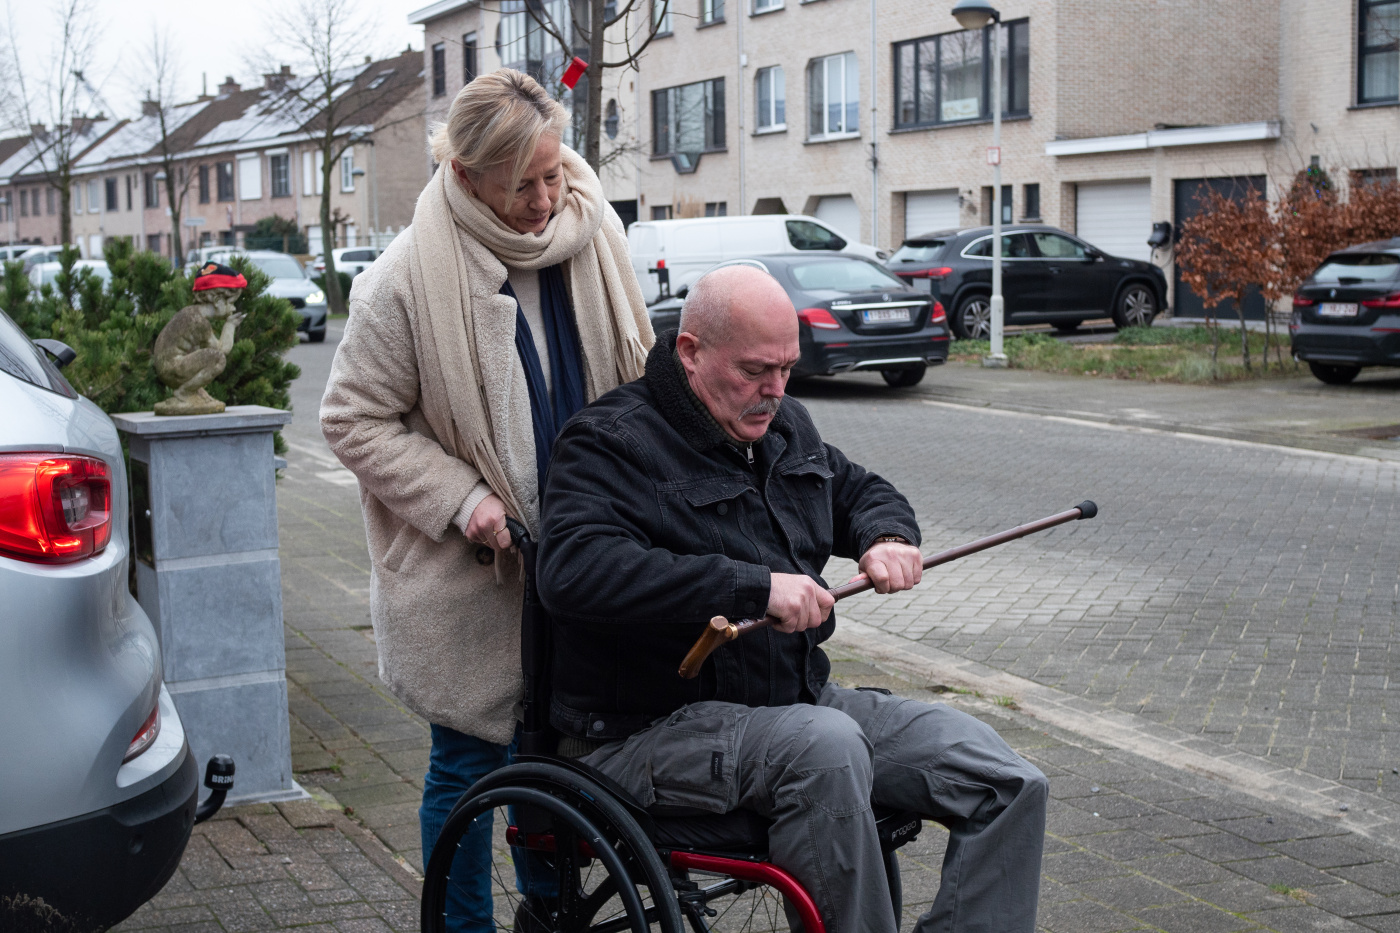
(30, 202)
(875, 114)
(243, 155)
(465, 38)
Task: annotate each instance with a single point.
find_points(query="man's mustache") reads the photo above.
(768, 406)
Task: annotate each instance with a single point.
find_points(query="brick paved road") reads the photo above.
(1241, 592)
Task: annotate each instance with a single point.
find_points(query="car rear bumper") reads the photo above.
(843, 353)
(1365, 345)
(96, 869)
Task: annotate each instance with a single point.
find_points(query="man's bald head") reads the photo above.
(730, 300)
(737, 344)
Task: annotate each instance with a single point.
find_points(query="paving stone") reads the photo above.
(1195, 918)
(1325, 853)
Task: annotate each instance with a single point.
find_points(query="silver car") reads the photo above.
(98, 790)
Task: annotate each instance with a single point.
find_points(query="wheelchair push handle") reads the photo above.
(720, 630)
(518, 534)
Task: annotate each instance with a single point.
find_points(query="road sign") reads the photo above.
(193, 221)
(993, 155)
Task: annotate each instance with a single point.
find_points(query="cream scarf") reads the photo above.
(614, 331)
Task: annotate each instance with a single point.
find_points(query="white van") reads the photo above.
(692, 245)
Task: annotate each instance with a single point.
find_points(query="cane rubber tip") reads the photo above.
(1087, 509)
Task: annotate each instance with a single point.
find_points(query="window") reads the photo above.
(1006, 212)
(128, 192)
(24, 203)
(112, 200)
(224, 173)
(772, 99)
(440, 70)
(941, 79)
(1013, 246)
(1378, 61)
(661, 16)
(153, 243)
(1372, 177)
(249, 178)
(716, 208)
(49, 198)
(1030, 202)
(1054, 246)
(711, 11)
(312, 182)
(468, 58)
(803, 234)
(833, 89)
(204, 184)
(611, 119)
(226, 238)
(77, 196)
(687, 121)
(279, 169)
(764, 6)
(661, 212)
(149, 191)
(94, 196)
(347, 170)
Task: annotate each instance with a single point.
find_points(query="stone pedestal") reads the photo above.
(204, 515)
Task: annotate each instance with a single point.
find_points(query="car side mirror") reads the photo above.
(683, 291)
(1092, 255)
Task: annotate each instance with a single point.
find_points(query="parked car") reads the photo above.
(289, 281)
(44, 273)
(687, 248)
(852, 315)
(1347, 314)
(97, 786)
(12, 253)
(39, 254)
(1048, 277)
(352, 260)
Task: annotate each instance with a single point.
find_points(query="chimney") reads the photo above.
(368, 60)
(150, 108)
(39, 131)
(278, 80)
(229, 86)
(82, 124)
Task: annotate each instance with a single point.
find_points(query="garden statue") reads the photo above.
(187, 354)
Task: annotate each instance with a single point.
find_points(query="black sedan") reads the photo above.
(853, 315)
(1047, 277)
(1347, 314)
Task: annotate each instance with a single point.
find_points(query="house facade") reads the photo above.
(30, 201)
(875, 114)
(465, 38)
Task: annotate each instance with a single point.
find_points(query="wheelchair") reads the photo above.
(617, 867)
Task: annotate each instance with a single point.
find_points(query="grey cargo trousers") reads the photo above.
(815, 770)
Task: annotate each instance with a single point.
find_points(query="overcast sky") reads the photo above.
(216, 39)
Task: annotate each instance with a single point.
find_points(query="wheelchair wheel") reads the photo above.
(600, 872)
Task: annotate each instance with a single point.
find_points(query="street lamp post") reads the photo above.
(977, 14)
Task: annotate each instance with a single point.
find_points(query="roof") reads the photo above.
(441, 8)
(36, 157)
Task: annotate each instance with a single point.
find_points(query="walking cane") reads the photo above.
(721, 630)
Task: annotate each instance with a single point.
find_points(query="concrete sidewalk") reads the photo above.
(1133, 843)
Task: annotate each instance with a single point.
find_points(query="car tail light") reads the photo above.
(1300, 302)
(940, 272)
(1389, 301)
(820, 318)
(939, 315)
(54, 509)
(145, 736)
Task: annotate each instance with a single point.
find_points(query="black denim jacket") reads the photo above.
(654, 522)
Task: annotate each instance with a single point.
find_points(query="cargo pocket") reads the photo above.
(687, 762)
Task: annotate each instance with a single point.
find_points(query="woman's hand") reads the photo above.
(488, 524)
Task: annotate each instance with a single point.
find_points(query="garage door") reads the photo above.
(841, 214)
(1117, 217)
(930, 211)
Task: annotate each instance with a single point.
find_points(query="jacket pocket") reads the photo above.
(807, 487)
(701, 512)
(686, 762)
(402, 543)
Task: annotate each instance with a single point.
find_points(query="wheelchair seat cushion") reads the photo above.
(741, 832)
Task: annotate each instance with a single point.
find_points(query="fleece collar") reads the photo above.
(680, 406)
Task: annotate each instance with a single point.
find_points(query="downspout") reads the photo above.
(374, 192)
(874, 136)
(740, 93)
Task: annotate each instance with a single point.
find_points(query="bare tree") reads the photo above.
(61, 96)
(160, 66)
(638, 22)
(330, 41)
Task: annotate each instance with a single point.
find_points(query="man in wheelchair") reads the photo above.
(700, 490)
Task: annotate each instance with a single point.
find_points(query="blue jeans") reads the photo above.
(456, 762)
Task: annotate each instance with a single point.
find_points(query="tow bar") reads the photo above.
(218, 777)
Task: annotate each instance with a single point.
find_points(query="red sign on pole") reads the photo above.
(993, 154)
(575, 71)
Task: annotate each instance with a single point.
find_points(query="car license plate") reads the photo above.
(1337, 309)
(886, 316)
(922, 285)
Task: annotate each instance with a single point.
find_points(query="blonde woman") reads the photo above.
(508, 305)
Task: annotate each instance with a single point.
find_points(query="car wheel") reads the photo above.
(905, 377)
(973, 319)
(1067, 327)
(1334, 374)
(317, 336)
(1137, 306)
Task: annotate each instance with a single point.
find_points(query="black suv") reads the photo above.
(1048, 277)
(1347, 314)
